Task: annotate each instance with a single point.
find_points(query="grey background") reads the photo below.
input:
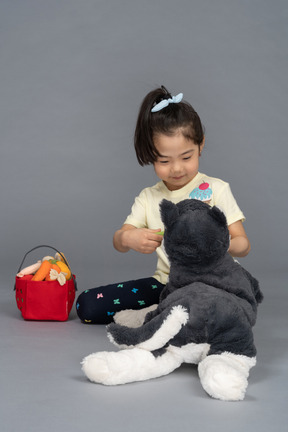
(72, 77)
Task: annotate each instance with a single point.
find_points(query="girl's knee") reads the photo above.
(91, 311)
(84, 308)
(80, 306)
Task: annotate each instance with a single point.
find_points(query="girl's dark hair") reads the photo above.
(166, 121)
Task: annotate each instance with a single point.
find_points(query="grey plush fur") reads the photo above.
(220, 296)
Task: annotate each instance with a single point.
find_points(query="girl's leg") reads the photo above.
(99, 305)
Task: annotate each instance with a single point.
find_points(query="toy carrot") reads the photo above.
(43, 271)
(54, 266)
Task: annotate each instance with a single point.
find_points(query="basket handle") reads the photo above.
(50, 247)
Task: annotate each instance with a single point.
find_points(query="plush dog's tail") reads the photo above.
(154, 334)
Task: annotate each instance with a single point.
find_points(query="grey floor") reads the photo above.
(43, 388)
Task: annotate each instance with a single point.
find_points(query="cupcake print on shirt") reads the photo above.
(202, 193)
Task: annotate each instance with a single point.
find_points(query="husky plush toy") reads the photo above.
(205, 315)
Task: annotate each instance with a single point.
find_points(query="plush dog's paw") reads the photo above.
(225, 376)
(113, 368)
(96, 367)
(132, 318)
(121, 367)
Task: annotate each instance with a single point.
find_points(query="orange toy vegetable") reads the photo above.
(43, 271)
(54, 266)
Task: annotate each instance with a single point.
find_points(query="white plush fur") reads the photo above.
(170, 328)
(136, 364)
(112, 368)
(133, 318)
(190, 353)
(224, 376)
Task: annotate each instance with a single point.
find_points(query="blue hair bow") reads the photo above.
(165, 102)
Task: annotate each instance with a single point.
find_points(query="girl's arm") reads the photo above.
(239, 243)
(142, 240)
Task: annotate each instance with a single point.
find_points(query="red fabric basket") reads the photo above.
(44, 300)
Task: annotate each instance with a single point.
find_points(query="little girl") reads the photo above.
(169, 135)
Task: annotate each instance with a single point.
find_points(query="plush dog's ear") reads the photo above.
(218, 215)
(169, 212)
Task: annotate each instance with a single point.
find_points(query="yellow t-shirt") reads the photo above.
(145, 212)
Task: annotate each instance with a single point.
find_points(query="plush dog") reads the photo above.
(205, 315)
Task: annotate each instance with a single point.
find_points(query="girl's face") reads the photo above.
(178, 162)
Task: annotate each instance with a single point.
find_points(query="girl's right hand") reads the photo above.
(141, 240)
(144, 240)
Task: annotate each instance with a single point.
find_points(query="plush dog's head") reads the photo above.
(195, 233)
